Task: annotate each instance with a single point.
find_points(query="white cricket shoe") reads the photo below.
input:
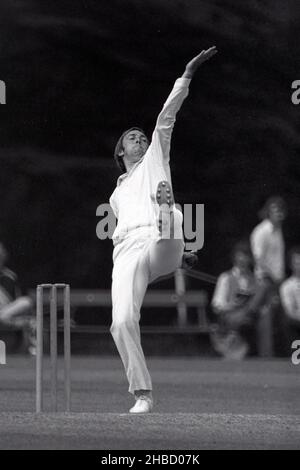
(143, 404)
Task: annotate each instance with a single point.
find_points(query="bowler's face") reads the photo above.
(135, 145)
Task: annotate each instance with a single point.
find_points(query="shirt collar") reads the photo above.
(128, 173)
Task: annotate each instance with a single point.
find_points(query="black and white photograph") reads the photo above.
(150, 227)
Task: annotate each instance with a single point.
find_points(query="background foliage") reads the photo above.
(80, 71)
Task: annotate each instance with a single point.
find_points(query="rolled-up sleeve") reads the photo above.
(221, 299)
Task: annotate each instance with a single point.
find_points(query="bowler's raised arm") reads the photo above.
(165, 122)
(198, 60)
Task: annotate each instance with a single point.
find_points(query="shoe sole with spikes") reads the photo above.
(164, 194)
(165, 200)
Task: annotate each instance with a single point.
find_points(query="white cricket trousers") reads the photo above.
(138, 260)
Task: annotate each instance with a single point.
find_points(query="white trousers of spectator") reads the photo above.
(138, 260)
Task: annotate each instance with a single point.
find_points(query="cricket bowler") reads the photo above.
(148, 239)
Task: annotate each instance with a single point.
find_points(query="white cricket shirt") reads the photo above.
(133, 200)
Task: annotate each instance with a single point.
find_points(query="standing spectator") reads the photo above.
(268, 248)
(233, 293)
(267, 242)
(290, 295)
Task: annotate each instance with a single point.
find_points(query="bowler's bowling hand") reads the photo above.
(193, 64)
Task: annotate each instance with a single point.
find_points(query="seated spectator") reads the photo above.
(290, 295)
(233, 293)
(15, 309)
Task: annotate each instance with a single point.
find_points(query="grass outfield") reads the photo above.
(200, 404)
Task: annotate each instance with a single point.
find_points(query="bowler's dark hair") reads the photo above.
(119, 147)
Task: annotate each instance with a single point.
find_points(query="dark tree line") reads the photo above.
(79, 72)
